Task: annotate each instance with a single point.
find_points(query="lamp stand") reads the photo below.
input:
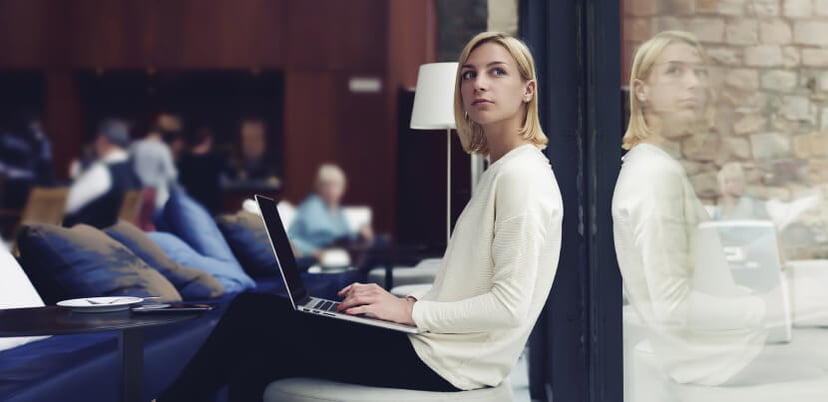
(448, 185)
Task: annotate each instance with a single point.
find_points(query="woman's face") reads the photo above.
(676, 90)
(492, 89)
(331, 191)
(733, 186)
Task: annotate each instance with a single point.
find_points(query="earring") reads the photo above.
(466, 115)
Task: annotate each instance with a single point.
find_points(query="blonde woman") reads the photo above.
(497, 270)
(702, 327)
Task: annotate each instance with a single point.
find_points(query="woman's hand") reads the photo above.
(367, 234)
(374, 301)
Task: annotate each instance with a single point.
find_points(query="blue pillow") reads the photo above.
(84, 262)
(247, 237)
(187, 219)
(193, 284)
(230, 275)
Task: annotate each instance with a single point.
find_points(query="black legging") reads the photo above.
(261, 339)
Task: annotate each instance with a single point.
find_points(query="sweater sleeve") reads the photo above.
(521, 228)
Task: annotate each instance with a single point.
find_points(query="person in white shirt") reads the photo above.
(495, 277)
(154, 165)
(95, 196)
(702, 327)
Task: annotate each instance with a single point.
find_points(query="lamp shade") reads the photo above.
(434, 97)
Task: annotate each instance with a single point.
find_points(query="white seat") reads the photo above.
(808, 281)
(424, 272)
(405, 290)
(318, 390)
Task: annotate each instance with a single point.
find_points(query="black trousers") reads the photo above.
(261, 339)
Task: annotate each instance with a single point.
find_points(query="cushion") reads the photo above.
(230, 275)
(187, 219)
(16, 291)
(84, 262)
(193, 284)
(247, 237)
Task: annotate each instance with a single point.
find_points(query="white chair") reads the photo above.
(423, 273)
(405, 290)
(317, 390)
(809, 292)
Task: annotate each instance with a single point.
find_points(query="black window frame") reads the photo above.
(576, 350)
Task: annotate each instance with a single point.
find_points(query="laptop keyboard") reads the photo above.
(326, 305)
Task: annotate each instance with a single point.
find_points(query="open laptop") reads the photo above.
(298, 294)
(749, 252)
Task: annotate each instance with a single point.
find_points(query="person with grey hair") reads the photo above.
(734, 202)
(319, 221)
(95, 197)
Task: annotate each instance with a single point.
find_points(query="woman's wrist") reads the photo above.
(410, 301)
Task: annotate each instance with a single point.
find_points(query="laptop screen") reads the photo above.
(750, 249)
(282, 249)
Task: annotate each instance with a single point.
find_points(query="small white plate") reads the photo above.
(100, 304)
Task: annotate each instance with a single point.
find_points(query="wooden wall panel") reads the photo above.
(217, 33)
(63, 118)
(364, 152)
(23, 41)
(337, 35)
(109, 34)
(310, 128)
(412, 41)
(318, 45)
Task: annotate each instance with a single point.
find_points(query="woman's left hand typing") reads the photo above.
(374, 301)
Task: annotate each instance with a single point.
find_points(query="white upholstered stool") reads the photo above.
(317, 390)
(405, 290)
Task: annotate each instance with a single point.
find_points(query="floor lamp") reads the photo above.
(434, 110)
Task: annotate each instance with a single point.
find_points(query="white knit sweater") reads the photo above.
(496, 273)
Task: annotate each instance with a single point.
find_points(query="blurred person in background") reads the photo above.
(203, 169)
(320, 223)
(172, 132)
(154, 165)
(96, 195)
(25, 160)
(254, 161)
(734, 202)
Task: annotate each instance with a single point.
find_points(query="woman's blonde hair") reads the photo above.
(470, 133)
(329, 172)
(731, 170)
(643, 63)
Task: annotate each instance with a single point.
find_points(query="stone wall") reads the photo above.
(770, 74)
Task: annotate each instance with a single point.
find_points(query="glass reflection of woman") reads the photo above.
(699, 336)
(495, 276)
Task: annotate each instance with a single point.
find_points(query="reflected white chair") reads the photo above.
(809, 292)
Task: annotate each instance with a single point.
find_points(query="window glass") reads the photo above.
(720, 212)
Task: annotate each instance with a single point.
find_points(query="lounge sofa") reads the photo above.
(86, 367)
